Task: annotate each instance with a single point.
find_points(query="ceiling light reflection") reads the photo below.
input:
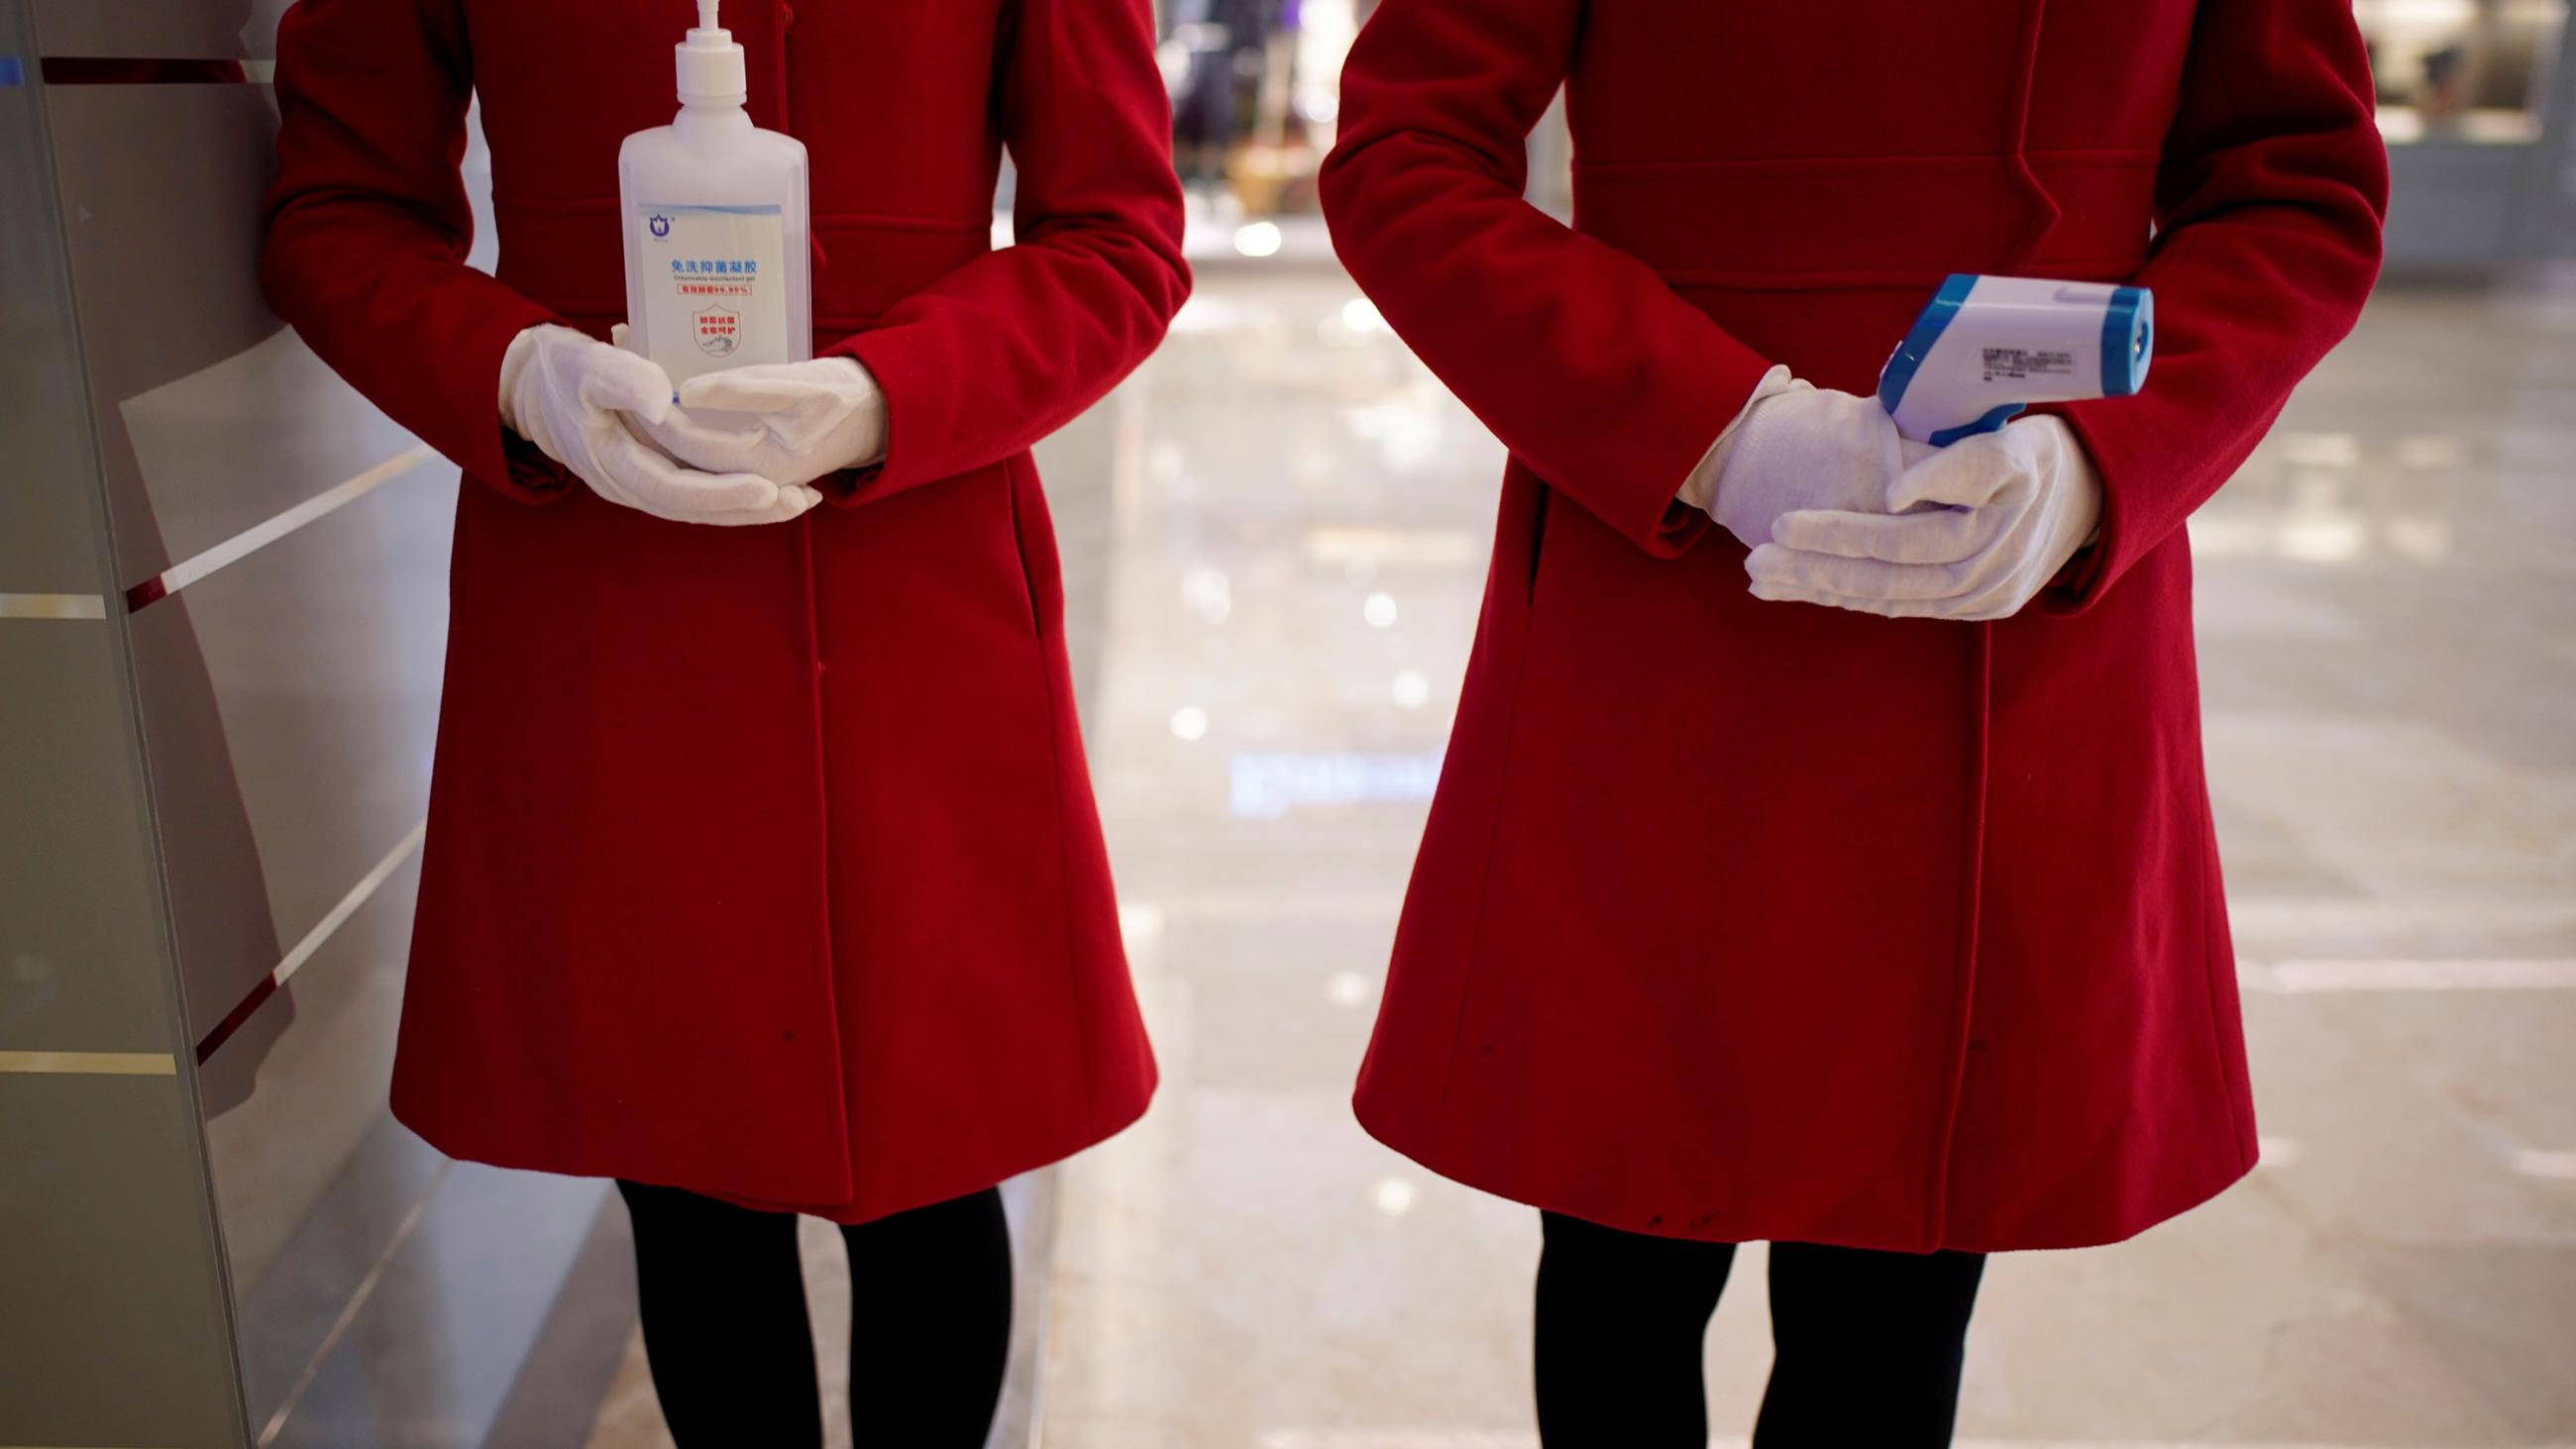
(1394, 1196)
(2320, 450)
(2536, 1162)
(1408, 435)
(2433, 450)
(1139, 923)
(1207, 593)
(1393, 545)
(1266, 785)
(2330, 539)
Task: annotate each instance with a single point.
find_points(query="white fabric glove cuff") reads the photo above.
(1699, 490)
(514, 362)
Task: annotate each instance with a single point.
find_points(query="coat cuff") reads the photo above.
(848, 487)
(915, 434)
(1699, 490)
(477, 441)
(1677, 440)
(532, 477)
(2087, 576)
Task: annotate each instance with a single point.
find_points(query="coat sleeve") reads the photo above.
(2268, 207)
(368, 228)
(1588, 367)
(1004, 350)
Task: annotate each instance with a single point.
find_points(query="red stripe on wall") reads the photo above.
(233, 1019)
(78, 70)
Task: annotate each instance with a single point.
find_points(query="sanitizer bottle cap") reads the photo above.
(711, 65)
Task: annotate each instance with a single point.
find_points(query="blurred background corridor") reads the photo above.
(222, 609)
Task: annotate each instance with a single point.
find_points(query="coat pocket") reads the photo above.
(1013, 518)
(1538, 539)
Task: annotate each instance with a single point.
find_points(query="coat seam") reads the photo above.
(1837, 279)
(823, 857)
(1493, 845)
(1964, 968)
(2229, 1089)
(2116, 158)
(1063, 857)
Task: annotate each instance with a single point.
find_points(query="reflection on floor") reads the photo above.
(1275, 537)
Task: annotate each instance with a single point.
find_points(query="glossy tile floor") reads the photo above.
(1276, 536)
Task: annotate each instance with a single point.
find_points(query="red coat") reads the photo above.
(1740, 920)
(762, 861)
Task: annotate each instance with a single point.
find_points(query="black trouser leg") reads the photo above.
(1868, 1347)
(1622, 1319)
(930, 1330)
(723, 1302)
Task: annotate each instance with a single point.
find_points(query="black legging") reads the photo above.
(723, 1299)
(1866, 1345)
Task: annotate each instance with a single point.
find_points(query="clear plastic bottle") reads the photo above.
(719, 271)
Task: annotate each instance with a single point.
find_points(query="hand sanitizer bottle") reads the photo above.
(718, 270)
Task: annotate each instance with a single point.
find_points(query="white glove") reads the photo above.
(579, 400)
(1797, 446)
(2013, 506)
(792, 421)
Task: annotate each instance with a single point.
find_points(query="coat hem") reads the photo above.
(1007, 1166)
(1771, 1228)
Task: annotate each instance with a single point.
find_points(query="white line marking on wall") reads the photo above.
(348, 906)
(250, 540)
(2292, 978)
(2545, 1162)
(52, 606)
(90, 1064)
(349, 1314)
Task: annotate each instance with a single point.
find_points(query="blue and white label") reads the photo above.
(715, 286)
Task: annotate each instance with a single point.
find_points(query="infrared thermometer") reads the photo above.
(1987, 347)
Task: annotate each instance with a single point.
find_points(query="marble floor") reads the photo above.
(1275, 537)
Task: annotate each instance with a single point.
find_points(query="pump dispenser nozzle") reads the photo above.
(712, 72)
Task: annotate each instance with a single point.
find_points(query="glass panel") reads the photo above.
(2461, 70)
(1256, 89)
(111, 1278)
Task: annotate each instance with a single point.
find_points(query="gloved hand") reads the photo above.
(1797, 446)
(792, 421)
(2014, 506)
(578, 401)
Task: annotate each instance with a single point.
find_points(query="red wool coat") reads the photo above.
(762, 861)
(1741, 920)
